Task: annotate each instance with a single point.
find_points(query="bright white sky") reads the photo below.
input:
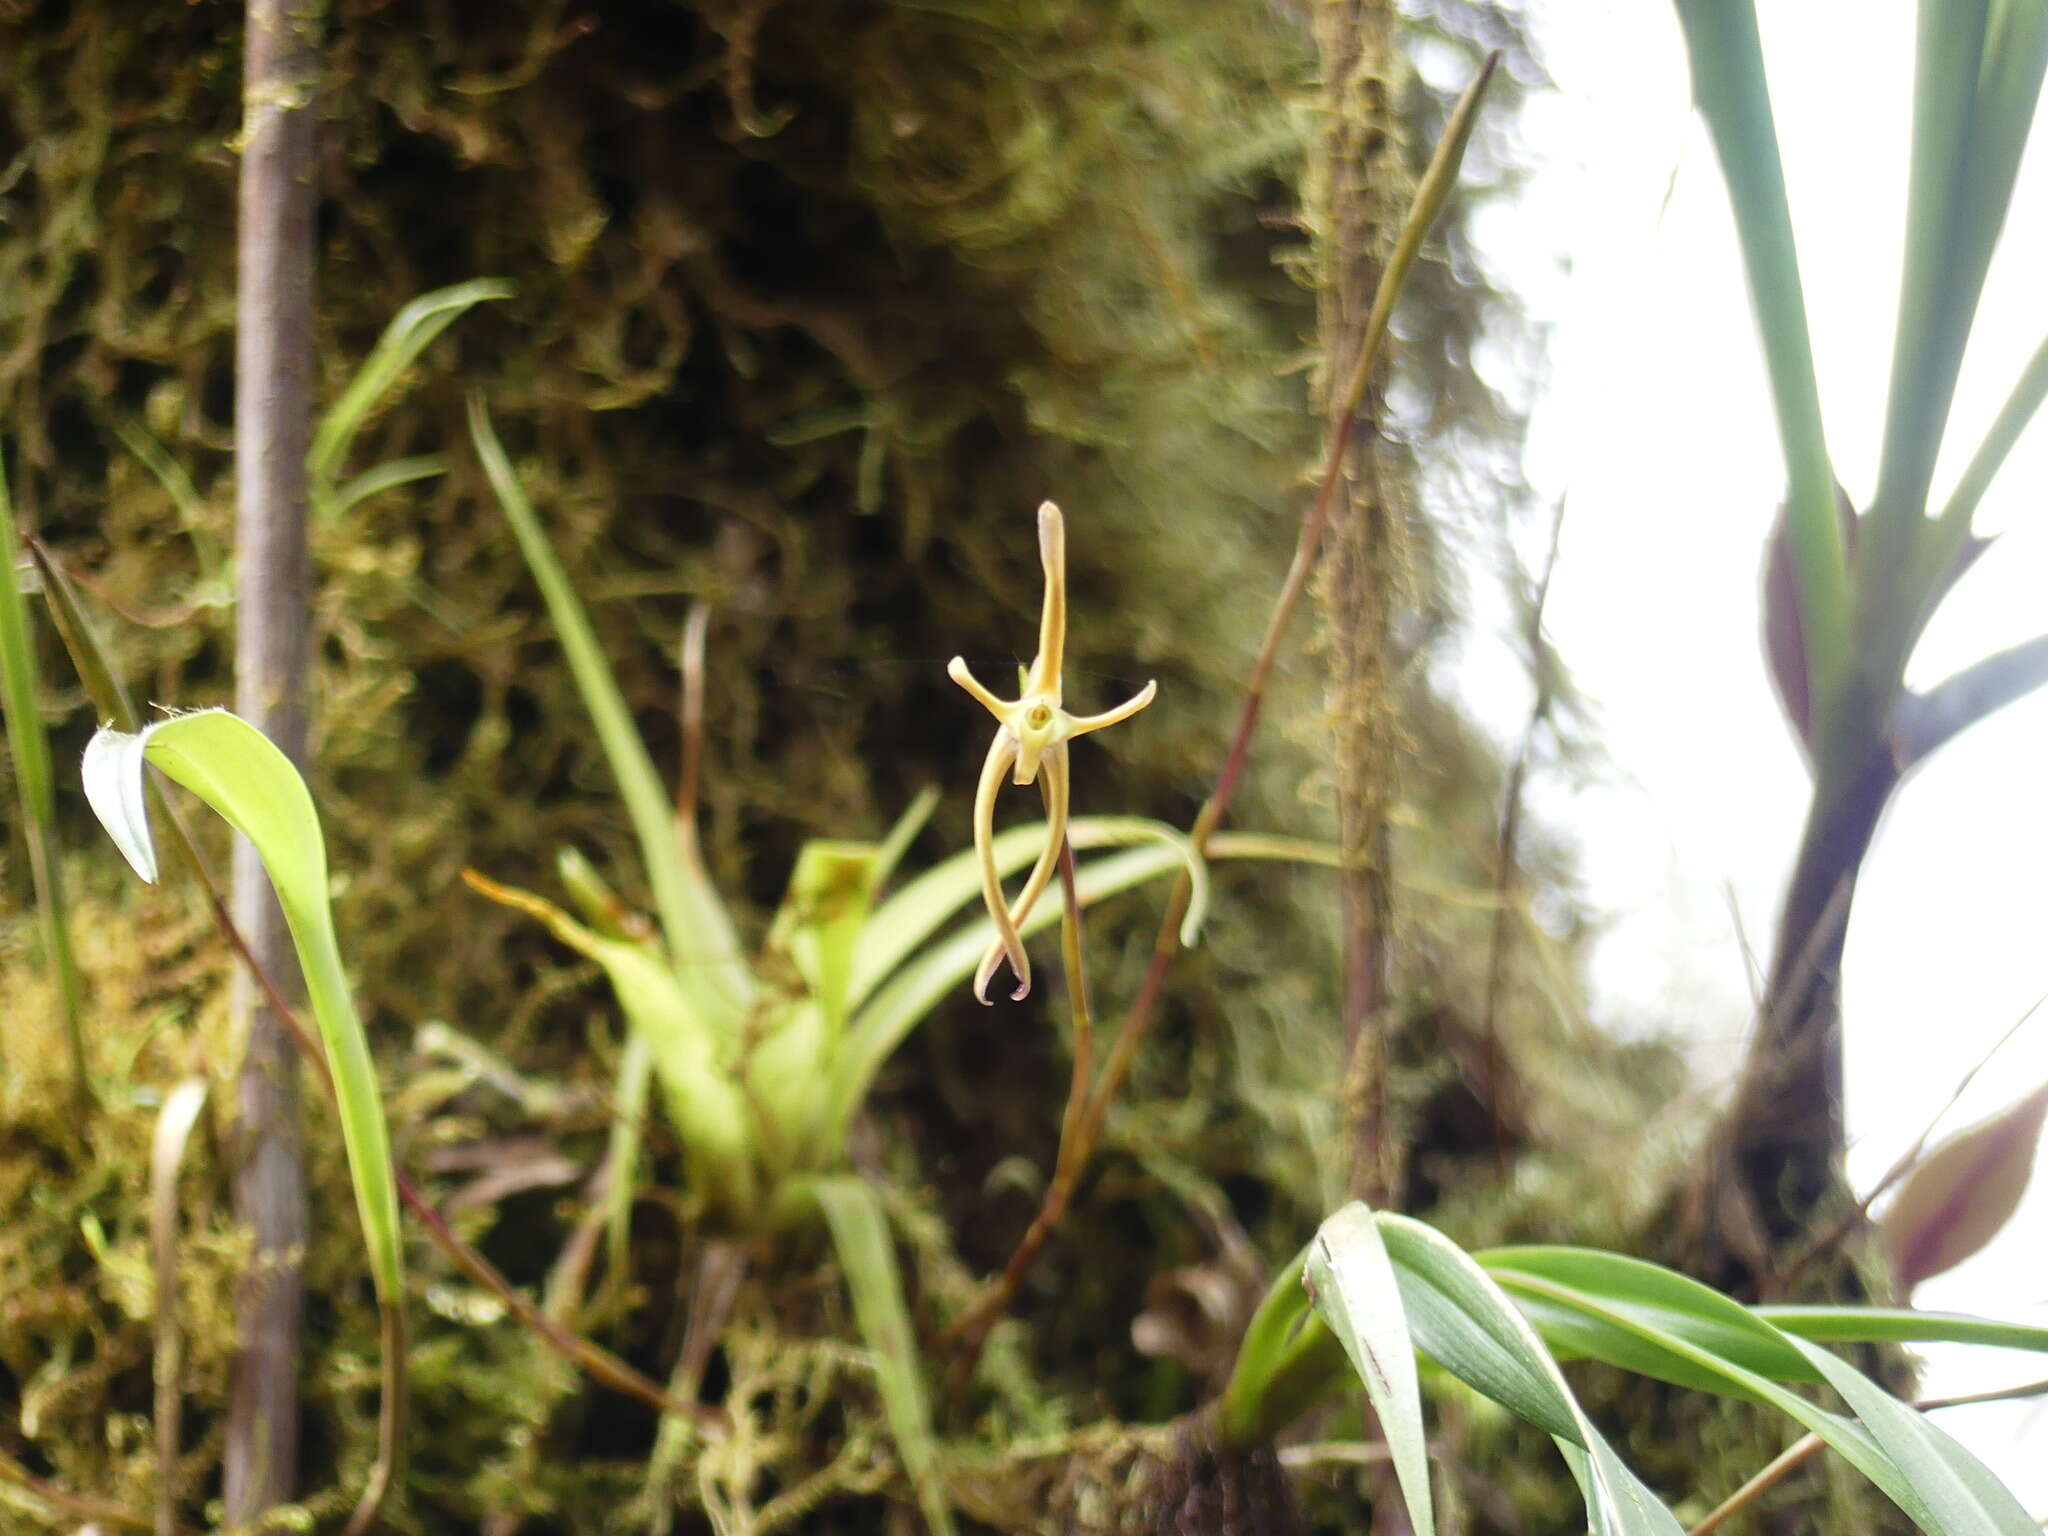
(1656, 421)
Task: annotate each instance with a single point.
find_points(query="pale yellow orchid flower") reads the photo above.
(1031, 742)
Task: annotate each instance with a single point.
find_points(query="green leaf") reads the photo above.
(214, 579)
(1960, 1493)
(1936, 295)
(628, 1133)
(1892, 1446)
(36, 786)
(702, 944)
(823, 916)
(237, 771)
(2014, 417)
(1462, 1319)
(374, 482)
(411, 331)
(1900, 1325)
(1352, 1283)
(1734, 97)
(860, 1233)
(1666, 1300)
(1287, 1363)
(694, 1054)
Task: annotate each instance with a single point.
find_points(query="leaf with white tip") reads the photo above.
(118, 792)
(1352, 1283)
(243, 776)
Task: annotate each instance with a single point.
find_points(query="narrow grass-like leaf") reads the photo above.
(1663, 1298)
(1977, 87)
(2014, 417)
(1923, 723)
(1460, 1317)
(889, 853)
(1959, 1490)
(215, 580)
(703, 946)
(36, 789)
(628, 1133)
(374, 482)
(174, 1124)
(1893, 1446)
(860, 1233)
(411, 331)
(1352, 1283)
(1900, 1325)
(1936, 297)
(82, 643)
(1606, 1322)
(1734, 97)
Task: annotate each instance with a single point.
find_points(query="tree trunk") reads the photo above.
(273, 405)
(1355, 201)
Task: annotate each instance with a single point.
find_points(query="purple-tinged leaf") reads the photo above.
(1964, 1191)
(1784, 637)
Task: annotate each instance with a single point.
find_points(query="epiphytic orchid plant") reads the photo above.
(1032, 732)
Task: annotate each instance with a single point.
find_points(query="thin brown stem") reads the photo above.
(1788, 1461)
(275, 245)
(970, 1330)
(1507, 854)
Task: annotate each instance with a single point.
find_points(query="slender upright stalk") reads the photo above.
(273, 426)
(1356, 202)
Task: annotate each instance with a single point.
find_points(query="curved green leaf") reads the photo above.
(915, 989)
(411, 331)
(237, 771)
(693, 1054)
(36, 787)
(1351, 1281)
(1918, 1469)
(1462, 1319)
(1665, 1299)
